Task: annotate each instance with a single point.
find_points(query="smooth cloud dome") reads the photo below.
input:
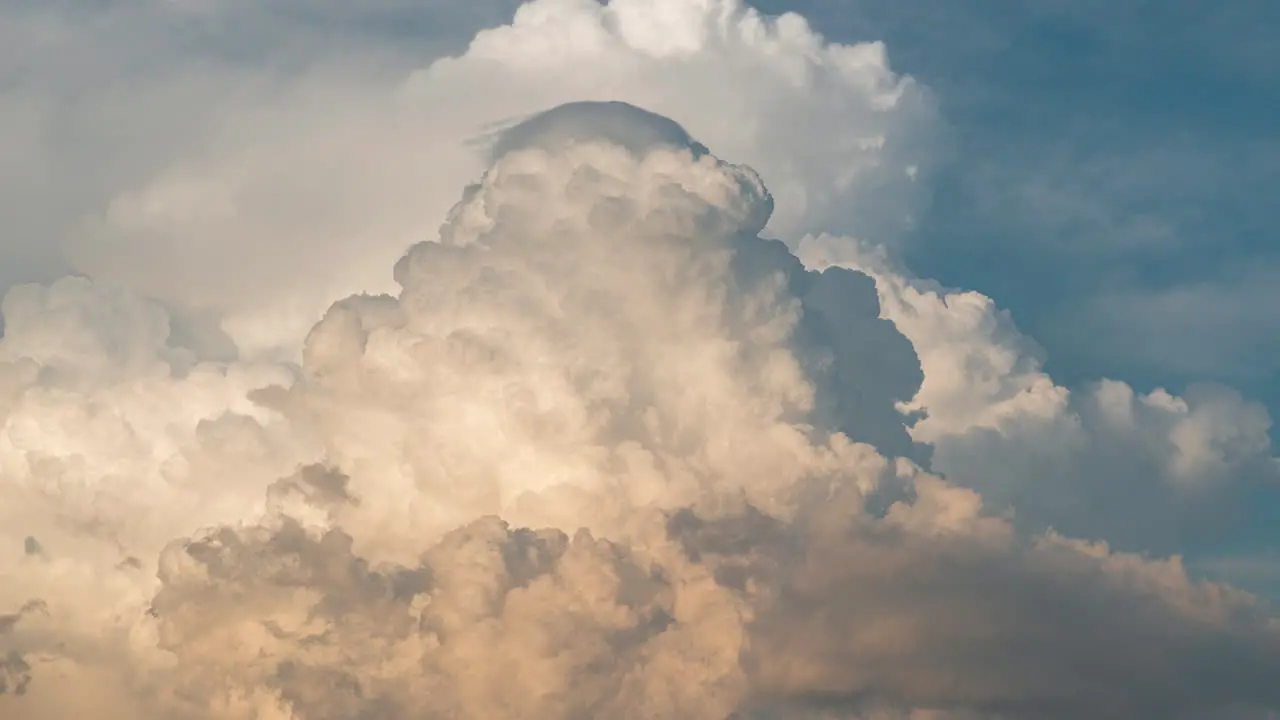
(622, 124)
(1147, 471)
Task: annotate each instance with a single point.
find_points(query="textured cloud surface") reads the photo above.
(604, 449)
(1146, 471)
(325, 175)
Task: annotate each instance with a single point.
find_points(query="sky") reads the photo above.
(644, 358)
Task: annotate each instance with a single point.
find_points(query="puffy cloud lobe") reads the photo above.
(76, 328)
(855, 132)
(605, 327)
(114, 439)
(930, 609)
(1147, 471)
(830, 125)
(671, 315)
(600, 340)
(326, 176)
(493, 622)
(106, 417)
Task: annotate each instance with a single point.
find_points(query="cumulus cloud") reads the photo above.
(115, 439)
(602, 447)
(325, 171)
(1148, 471)
(744, 614)
(600, 345)
(620, 332)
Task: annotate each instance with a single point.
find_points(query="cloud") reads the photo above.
(600, 345)
(600, 448)
(115, 439)
(324, 171)
(1149, 471)
(505, 622)
(618, 327)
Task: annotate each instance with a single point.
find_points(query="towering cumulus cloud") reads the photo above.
(604, 448)
(606, 454)
(327, 179)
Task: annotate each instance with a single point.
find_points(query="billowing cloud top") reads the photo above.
(605, 450)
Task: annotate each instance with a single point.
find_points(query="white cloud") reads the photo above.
(108, 99)
(593, 325)
(324, 175)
